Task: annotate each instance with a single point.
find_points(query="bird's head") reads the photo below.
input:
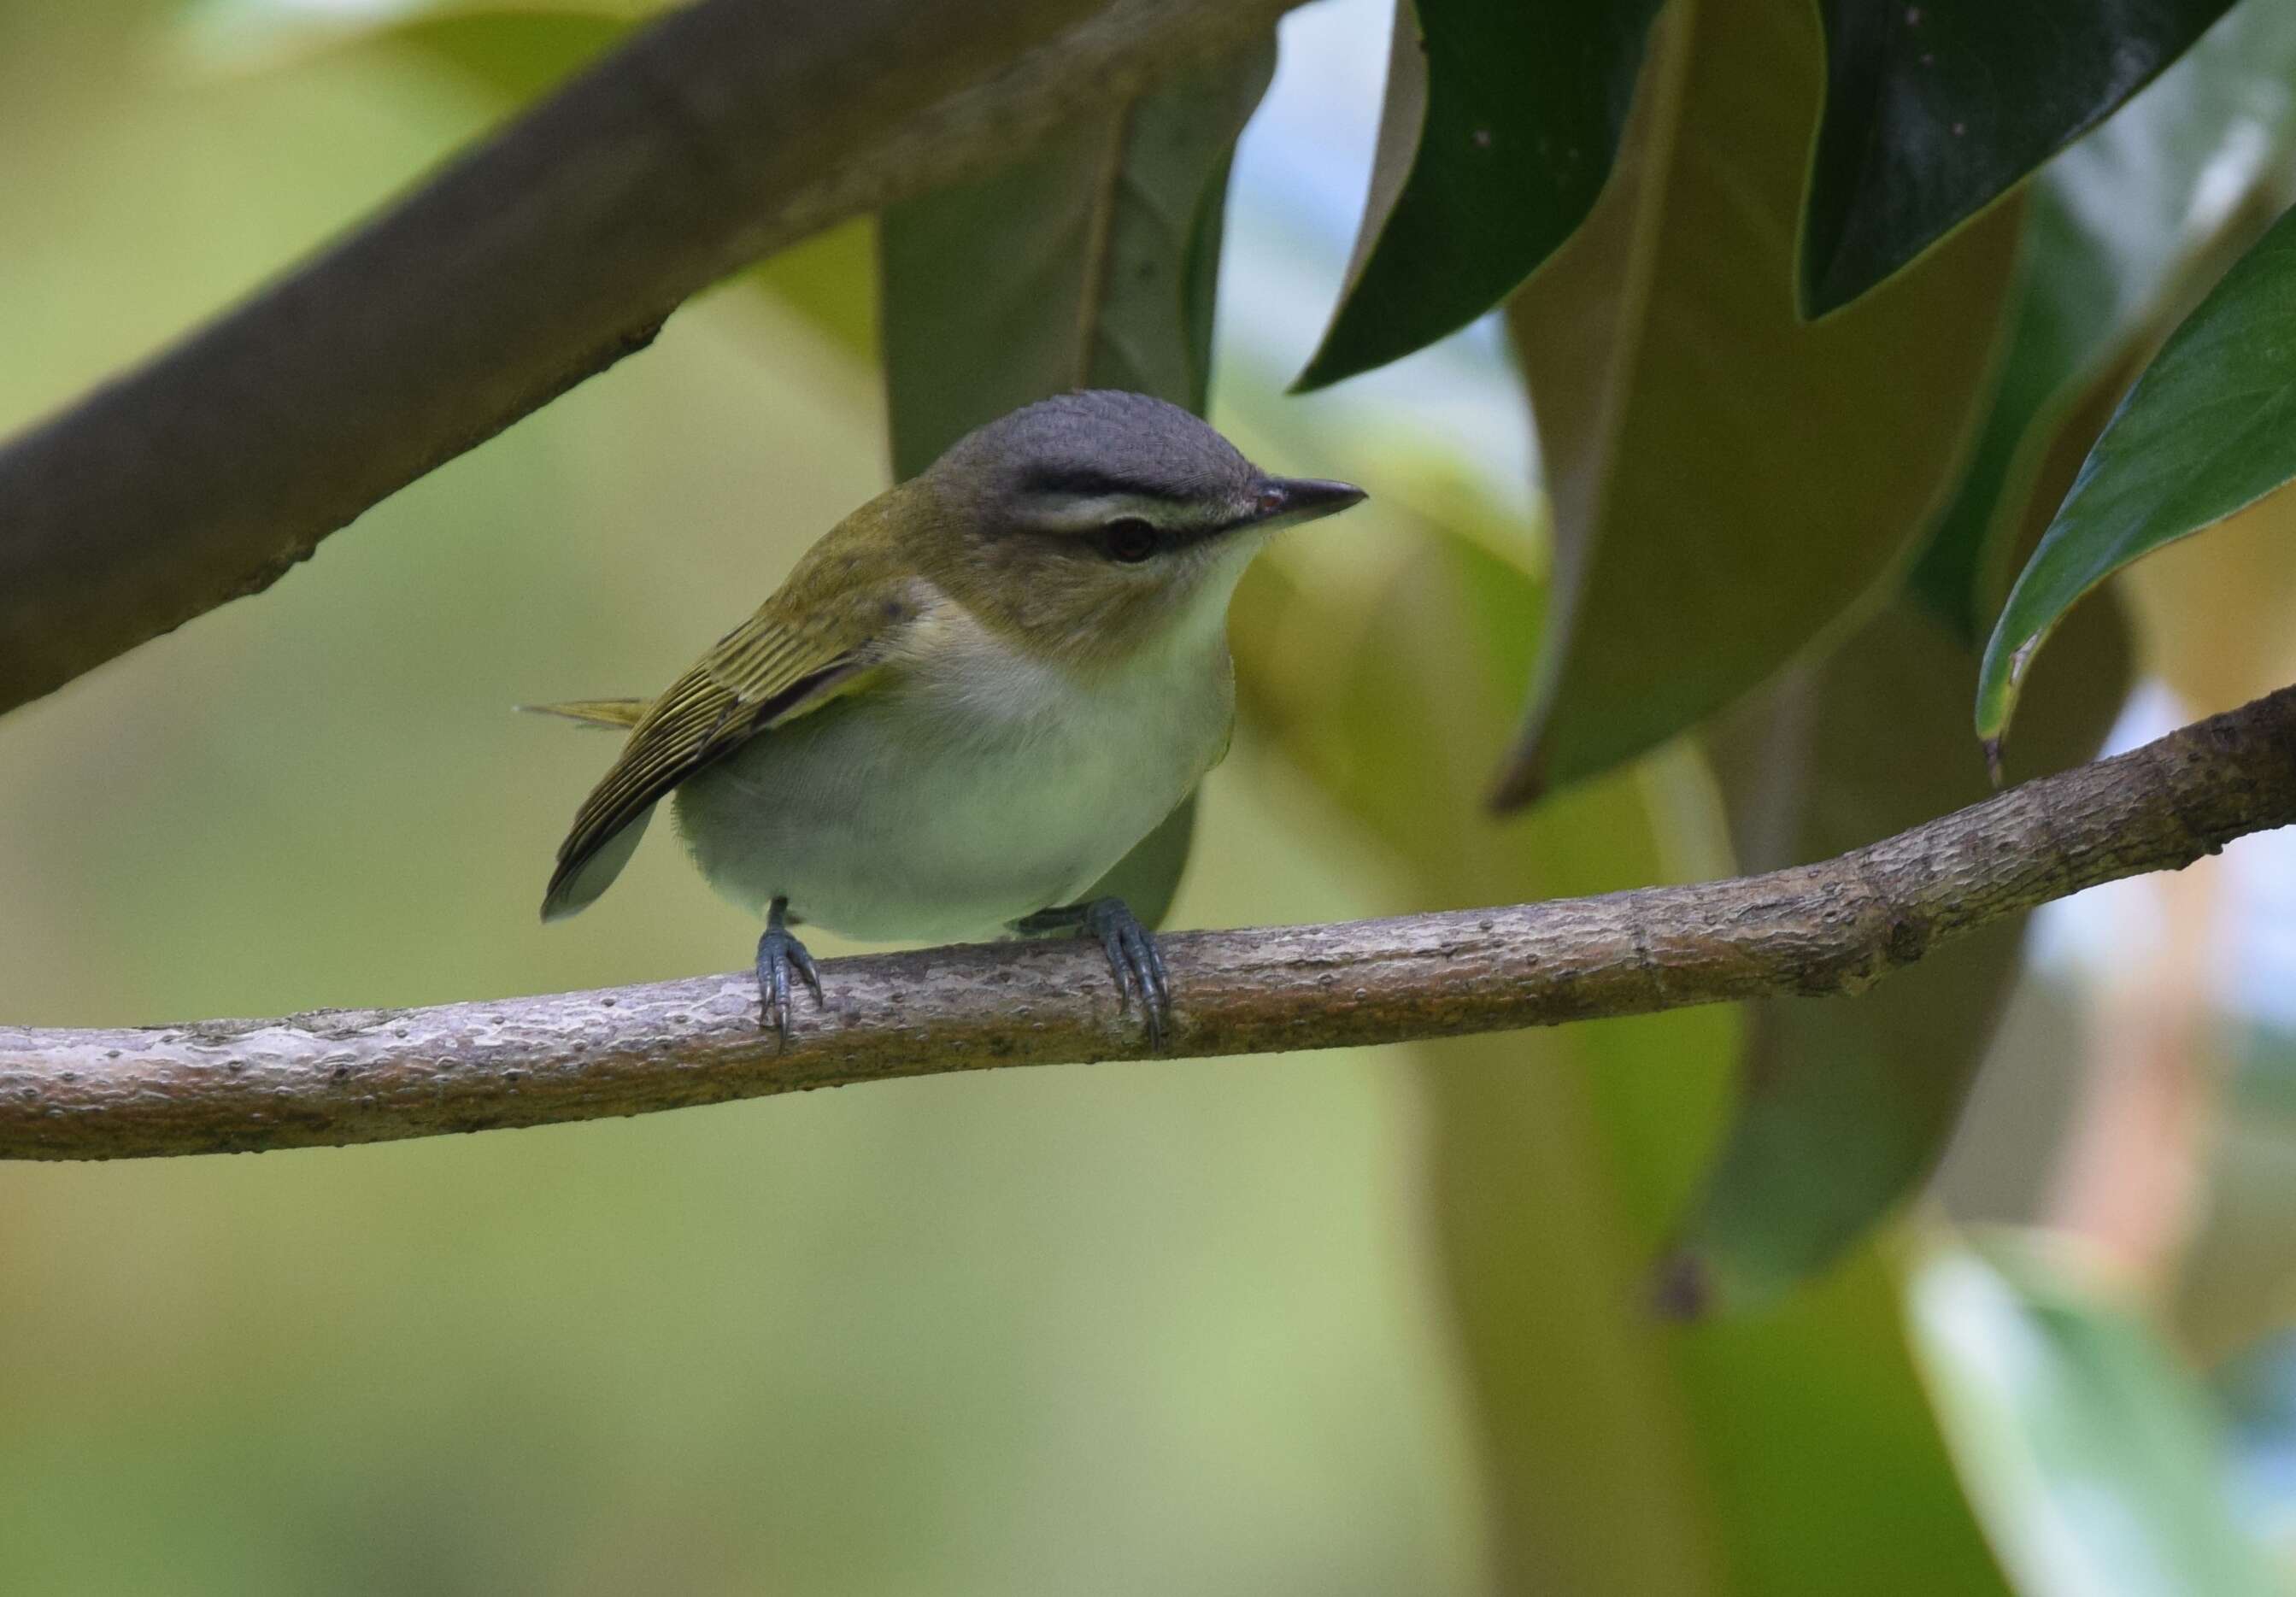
(1094, 525)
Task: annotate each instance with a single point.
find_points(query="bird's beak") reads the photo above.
(1288, 501)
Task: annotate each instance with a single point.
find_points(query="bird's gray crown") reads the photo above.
(1100, 442)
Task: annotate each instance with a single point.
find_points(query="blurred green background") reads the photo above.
(1364, 1323)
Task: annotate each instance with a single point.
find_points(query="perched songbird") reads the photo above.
(968, 701)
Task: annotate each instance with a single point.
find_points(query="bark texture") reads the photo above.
(1838, 926)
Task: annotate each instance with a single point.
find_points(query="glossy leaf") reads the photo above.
(2209, 429)
(1622, 1457)
(2119, 228)
(1501, 123)
(1845, 1104)
(1090, 263)
(1934, 111)
(1727, 480)
(2094, 1459)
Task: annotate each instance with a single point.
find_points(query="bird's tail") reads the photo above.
(617, 713)
(577, 888)
(598, 872)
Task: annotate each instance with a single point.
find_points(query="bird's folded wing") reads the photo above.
(764, 672)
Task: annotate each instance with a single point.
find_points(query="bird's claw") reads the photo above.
(778, 954)
(1135, 960)
(1133, 957)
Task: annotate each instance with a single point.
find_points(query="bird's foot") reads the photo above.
(778, 954)
(1133, 956)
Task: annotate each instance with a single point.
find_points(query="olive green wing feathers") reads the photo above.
(607, 715)
(795, 655)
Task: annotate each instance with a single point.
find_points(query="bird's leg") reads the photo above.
(778, 954)
(1133, 957)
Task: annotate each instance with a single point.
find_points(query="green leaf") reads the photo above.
(1935, 110)
(1622, 1457)
(1846, 1103)
(2094, 1461)
(1501, 123)
(1728, 480)
(1090, 263)
(2209, 429)
(2120, 229)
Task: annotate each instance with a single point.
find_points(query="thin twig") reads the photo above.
(369, 1076)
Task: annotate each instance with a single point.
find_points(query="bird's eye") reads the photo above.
(1129, 539)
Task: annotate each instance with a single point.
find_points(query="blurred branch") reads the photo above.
(366, 1076)
(712, 137)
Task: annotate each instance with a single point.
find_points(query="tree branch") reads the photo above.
(713, 137)
(366, 1076)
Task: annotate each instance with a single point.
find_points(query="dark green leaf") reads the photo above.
(2096, 1462)
(2119, 230)
(1935, 110)
(2208, 429)
(1090, 263)
(1087, 264)
(1846, 1103)
(1499, 128)
(1726, 479)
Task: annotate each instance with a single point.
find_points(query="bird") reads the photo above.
(966, 702)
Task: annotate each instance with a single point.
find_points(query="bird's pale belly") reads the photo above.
(924, 816)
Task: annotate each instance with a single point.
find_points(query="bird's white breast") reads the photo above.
(976, 786)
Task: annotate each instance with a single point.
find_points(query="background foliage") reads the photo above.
(1425, 1320)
